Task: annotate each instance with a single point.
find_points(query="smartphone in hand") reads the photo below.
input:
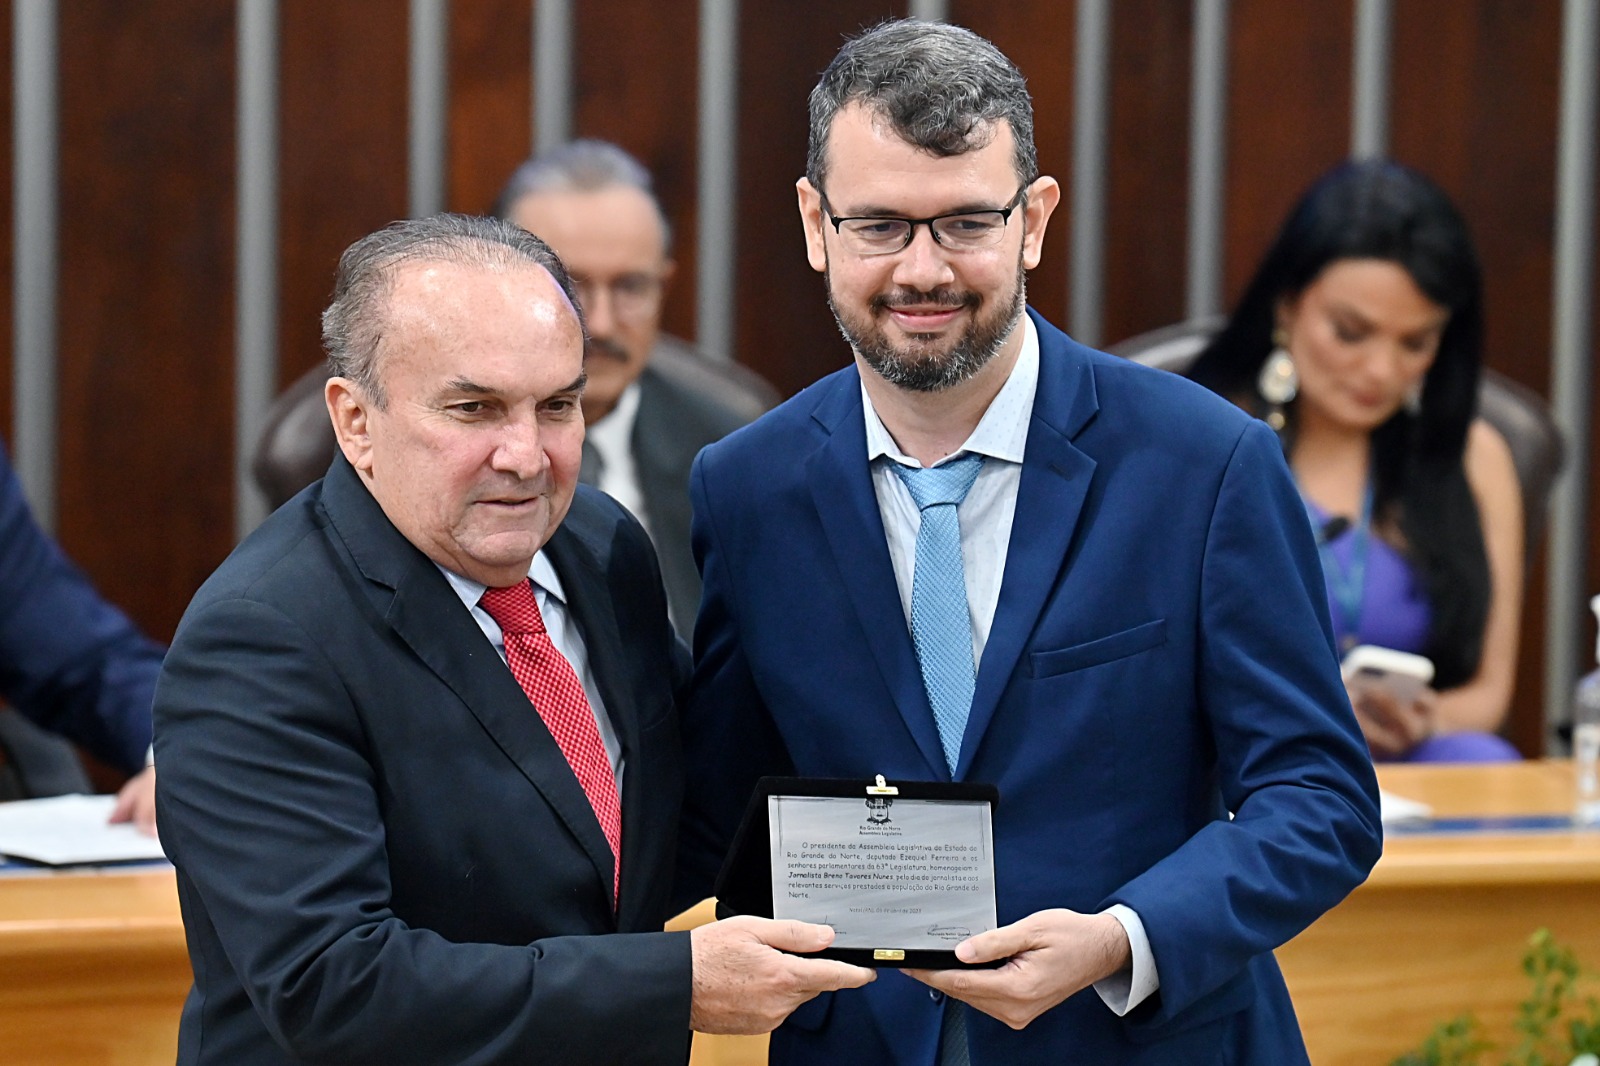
(1399, 673)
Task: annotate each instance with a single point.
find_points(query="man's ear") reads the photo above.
(348, 408)
(811, 219)
(1043, 196)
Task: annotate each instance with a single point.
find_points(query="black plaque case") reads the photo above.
(744, 884)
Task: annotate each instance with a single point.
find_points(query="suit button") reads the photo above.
(936, 995)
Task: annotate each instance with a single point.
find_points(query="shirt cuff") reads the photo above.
(1126, 989)
(150, 756)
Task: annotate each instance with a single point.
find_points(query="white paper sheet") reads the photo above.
(1399, 811)
(71, 829)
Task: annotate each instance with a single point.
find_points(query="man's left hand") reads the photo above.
(136, 802)
(1049, 956)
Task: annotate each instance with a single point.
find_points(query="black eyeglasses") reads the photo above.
(964, 231)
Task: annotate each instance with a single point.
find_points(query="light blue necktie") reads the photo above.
(941, 629)
(941, 621)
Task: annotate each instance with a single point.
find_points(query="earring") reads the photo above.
(1413, 403)
(1278, 383)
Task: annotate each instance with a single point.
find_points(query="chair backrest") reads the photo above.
(1519, 414)
(297, 441)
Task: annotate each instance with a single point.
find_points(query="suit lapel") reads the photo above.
(427, 614)
(1055, 482)
(841, 488)
(658, 455)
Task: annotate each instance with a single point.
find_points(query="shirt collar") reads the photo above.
(541, 572)
(1002, 432)
(612, 435)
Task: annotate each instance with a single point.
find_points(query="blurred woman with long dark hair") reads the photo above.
(1360, 340)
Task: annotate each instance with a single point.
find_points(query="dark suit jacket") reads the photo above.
(68, 659)
(1160, 656)
(684, 404)
(382, 855)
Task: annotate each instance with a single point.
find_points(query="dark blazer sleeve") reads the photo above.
(68, 659)
(270, 799)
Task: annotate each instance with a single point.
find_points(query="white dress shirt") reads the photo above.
(612, 439)
(985, 518)
(563, 630)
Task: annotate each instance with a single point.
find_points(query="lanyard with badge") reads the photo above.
(1347, 583)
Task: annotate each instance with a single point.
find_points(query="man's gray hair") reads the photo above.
(357, 319)
(585, 165)
(941, 88)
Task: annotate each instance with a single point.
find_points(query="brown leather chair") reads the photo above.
(1520, 415)
(297, 442)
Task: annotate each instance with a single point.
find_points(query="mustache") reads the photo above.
(933, 298)
(515, 489)
(604, 347)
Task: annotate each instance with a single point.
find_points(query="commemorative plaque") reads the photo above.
(902, 871)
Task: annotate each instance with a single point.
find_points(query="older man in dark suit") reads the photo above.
(391, 847)
(652, 401)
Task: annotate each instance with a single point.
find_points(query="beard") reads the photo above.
(921, 366)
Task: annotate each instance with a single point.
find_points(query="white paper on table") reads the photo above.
(71, 829)
(1399, 811)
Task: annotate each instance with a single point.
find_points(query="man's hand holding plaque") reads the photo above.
(1047, 957)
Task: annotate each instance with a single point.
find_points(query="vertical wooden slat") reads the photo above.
(489, 98)
(1039, 39)
(146, 330)
(1496, 159)
(1288, 118)
(635, 71)
(784, 328)
(1147, 190)
(343, 127)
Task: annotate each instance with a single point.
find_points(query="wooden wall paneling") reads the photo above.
(490, 106)
(6, 266)
(1147, 208)
(343, 110)
(783, 325)
(1039, 39)
(146, 307)
(636, 84)
(1288, 118)
(1494, 152)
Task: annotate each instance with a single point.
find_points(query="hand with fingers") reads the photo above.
(745, 981)
(1049, 956)
(136, 802)
(1391, 725)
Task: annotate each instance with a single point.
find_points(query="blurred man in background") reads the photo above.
(652, 402)
(70, 661)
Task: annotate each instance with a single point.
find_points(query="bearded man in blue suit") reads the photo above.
(1152, 684)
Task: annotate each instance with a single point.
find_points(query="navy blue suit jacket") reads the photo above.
(1160, 656)
(383, 856)
(68, 659)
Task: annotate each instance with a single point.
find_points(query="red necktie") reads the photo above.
(553, 687)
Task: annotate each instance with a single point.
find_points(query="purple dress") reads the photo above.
(1396, 613)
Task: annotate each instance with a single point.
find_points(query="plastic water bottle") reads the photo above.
(1586, 739)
